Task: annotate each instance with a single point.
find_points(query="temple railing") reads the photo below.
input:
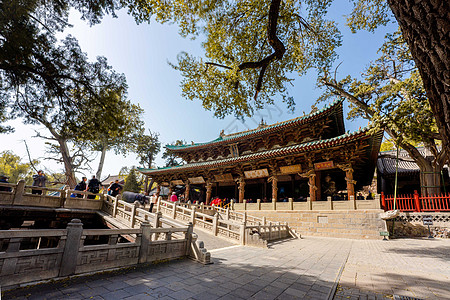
(236, 226)
(329, 204)
(28, 256)
(417, 203)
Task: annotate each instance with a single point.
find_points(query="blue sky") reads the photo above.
(142, 51)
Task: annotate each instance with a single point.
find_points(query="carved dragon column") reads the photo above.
(311, 175)
(241, 187)
(208, 191)
(186, 192)
(274, 180)
(347, 168)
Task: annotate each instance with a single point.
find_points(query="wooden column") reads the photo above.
(350, 182)
(274, 180)
(208, 191)
(319, 186)
(186, 192)
(311, 175)
(241, 187)
(347, 168)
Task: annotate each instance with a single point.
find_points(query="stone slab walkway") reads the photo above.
(292, 269)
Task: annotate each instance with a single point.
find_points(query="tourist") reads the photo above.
(329, 187)
(39, 180)
(4, 179)
(359, 196)
(369, 196)
(109, 188)
(93, 187)
(174, 197)
(153, 201)
(115, 188)
(81, 186)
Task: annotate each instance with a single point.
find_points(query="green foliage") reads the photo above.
(131, 182)
(12, 166)
(368, 15)
(390, 94)
(147, 147)
(235, 34)
(171, 159)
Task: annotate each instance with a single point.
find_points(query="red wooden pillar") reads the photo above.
(312, 187)
(208, 192)
(383, 201)
(350, 183)
(416, 201)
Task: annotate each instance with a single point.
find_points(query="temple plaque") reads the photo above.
(227, 177)
(196, 180)
(291, 169)
(256, 173)
(324, 165)
(177, 182)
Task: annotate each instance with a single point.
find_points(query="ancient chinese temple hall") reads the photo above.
(308, 156)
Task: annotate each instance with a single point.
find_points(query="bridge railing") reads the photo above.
(27, 256)
(25, 195)
(225, 223)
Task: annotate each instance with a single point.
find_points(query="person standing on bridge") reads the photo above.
(115, 188)
(153, 201)
(39, 180)
(81, 186)
(93, 187)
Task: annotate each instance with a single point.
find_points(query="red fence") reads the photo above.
(416, 202)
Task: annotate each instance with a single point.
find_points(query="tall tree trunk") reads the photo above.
(425, 25)
(67, 160)
(102, 161)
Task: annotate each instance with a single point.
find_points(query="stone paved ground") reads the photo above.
(294, 269)
(417, 268)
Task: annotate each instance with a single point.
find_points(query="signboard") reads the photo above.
(384, 233)
(177, 182)
(324, 165)
(196, 180)
(291, 169)
(256, 173)
(227, 177)
(427, 220)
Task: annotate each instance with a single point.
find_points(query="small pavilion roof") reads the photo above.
(261, 131)
(288, 150)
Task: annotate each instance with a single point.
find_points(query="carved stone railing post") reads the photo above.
(270, 231)
(116, 203)
(329, 203)
(309, 203)
(291, 204)
(377, 201)
(158, 205)
(145, 242)
(227, 213)
(71, 248)
(352, 201)
(232, 204)
(174, 212)
(245, 218)
(193, 215)
(62, 197)
(242, 234)
(133, 214)
(188, 237)
(258, 204)
(264, 221)
(274, 204)
(18, 193)
(215, 223)
(202, 208)
(245, 204)
(158, 217)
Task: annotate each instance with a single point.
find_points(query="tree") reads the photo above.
(11, 165)
(392, 97)
(147, 147)
(252, 46)
(120, 138)
(171, 159)
(131, 182)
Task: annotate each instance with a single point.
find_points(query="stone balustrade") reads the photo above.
(329, 204)
(236, 226)
(22, 195)
(28, 256)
